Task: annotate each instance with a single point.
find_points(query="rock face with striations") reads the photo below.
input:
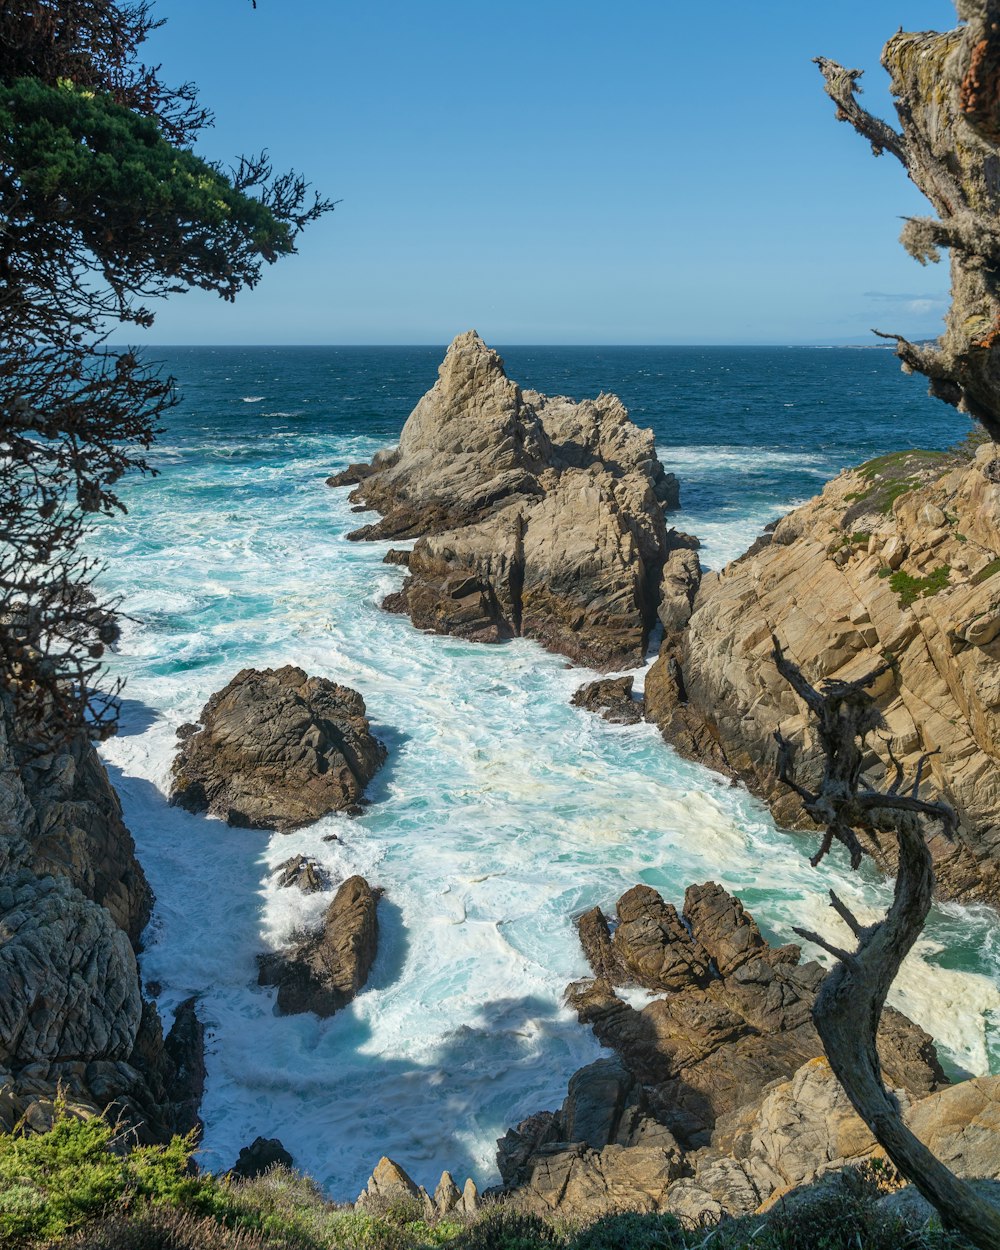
(277, 749)
(718, 1098)
(899, 558)
(325, 971)
(535, 516)
(60, 815)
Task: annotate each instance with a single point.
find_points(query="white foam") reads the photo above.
(502, 813)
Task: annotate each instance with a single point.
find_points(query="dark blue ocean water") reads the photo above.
(749, 430)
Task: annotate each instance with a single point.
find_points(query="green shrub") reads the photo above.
(631, 1231)
(166, 1228)
(978, 578)
(499, 1228)
(910, 588)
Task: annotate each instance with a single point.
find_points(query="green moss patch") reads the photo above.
(910, 588)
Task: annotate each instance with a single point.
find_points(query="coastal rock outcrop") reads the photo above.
(898, 558)
(325, 970)
(277, 749)
(535, 515)
(734, 1012)
(719, 1100)
(611, 698)
(72, 1017)
(59, 814)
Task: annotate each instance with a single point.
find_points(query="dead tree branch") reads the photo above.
(850, 1002)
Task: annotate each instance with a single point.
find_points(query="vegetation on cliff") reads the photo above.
(74, 1187)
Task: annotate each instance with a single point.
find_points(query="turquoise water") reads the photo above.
(502, 811)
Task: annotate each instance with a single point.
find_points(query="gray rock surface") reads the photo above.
(535, 515)
(277, 749)
(59, 814)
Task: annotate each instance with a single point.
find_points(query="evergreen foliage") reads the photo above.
(106, 208)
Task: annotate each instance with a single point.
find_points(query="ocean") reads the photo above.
(502, 811)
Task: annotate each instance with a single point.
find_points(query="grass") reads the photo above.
(911, 588)
(75, 1188)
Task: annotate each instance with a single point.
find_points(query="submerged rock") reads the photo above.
(302, 872)
(325, 971)
(535, 516)
(277, 749)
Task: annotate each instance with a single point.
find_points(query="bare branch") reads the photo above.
(843, 88)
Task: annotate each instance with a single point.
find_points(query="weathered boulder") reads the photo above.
(535, 515)
(611, 698)
(899, 557)
(277, 749)
(72, 1017)
(325, 970)
(69, 988)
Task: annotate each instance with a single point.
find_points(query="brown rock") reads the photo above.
(325, 971)
(716, 695)
(277, 750)
(611, 698)
(536, 516)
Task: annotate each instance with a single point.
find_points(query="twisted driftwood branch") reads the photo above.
(853, 994)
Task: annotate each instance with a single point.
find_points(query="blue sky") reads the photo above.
(560, 171)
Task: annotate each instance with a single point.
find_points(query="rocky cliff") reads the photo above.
(718, 1100)
(73, 903)
(898, 558)
(535, 515)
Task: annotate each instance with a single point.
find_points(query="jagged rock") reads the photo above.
(277, 750)
(679, 581)
(60, 815)
(325, 971)
(351, 476)
(72, 1018)
(589, 1183)
(302, 872)
(846, 581)
(535, 515)
(263, 1154)
(611, 698)
(389, 1184)
(737, 1015)
(447, 1195)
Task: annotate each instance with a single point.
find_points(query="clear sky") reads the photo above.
(561, 171)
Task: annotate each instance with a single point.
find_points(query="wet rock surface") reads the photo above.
(324, 971)
(534, 515)
(277, 750)
(611, 698)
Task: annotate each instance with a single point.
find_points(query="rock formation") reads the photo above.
(611, 698)
(718, 1100)
(60, 815)
(535, 516)
(72, 1017)
(391, 1186)
(325, 970)
(899, 557)
(277, 750)
(263, 1154)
